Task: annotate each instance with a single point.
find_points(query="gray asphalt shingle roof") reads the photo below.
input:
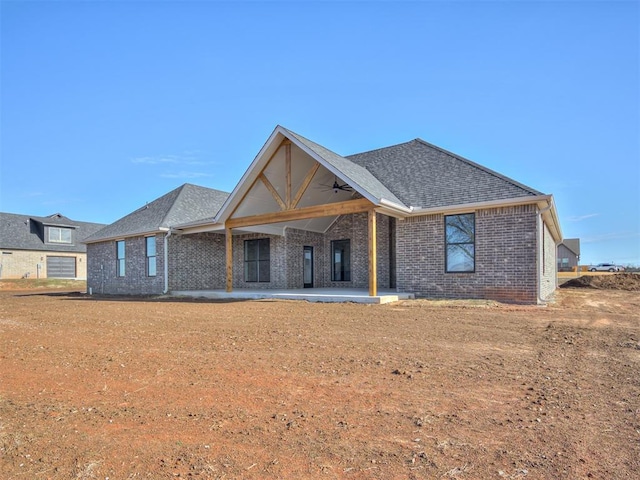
(186, 203)
(572, 244)
(425, 176)
(27, 232)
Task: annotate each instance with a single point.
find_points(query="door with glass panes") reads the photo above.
(307, 267)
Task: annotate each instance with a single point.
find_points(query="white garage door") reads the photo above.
(61, 267)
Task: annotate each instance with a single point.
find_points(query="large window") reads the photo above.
(120, 263)
(257, 263)
(460, 242)
(150, 244)
(341, 261)
(59, 235)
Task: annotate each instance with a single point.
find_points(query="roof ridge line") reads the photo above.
(173, 204)
(381, 148)
(481, 167)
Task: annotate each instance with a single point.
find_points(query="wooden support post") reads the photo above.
(373, 253)
(229, 258)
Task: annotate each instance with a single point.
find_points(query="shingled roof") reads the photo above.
(26, 232)
(186, 203)
(423, 175)
(572, 244)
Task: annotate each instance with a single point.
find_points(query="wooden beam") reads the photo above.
(316, 211)
(229, 258)
(287, 161)
(305, 184)
(373, 271)
(273, 190)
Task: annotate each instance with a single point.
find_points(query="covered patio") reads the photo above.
(281, 227)
(327, 295)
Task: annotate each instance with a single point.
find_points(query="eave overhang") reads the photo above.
(544, 203)
(111, 238)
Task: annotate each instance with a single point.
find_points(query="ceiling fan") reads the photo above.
(345, 187)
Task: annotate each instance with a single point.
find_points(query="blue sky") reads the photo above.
(108, 105)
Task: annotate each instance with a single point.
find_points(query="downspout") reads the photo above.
(541, 251)
(166, 262)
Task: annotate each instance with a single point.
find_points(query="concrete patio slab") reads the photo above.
(328, 295)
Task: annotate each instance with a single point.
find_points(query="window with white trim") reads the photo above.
(59, 235)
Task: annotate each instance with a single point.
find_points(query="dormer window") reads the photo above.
(59, 235)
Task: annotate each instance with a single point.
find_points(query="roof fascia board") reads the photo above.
(130, 235)
(466, 207)
(49, 223)
(202, 228)
(551, 216)
(196, 223)
(250, 175)
(388, 205)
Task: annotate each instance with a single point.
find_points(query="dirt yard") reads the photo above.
(145, 388)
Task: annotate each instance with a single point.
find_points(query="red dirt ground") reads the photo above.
(163, 388)
(616, 281)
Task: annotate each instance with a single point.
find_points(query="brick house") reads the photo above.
(410, 217)
(43, 247)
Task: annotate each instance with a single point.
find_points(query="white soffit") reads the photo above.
(259, 200)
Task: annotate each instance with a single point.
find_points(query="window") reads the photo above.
(59, 235)
(460, 242)
(257, 263)
(150, 244)
(120, 258)
(341, 261)
(565, 262)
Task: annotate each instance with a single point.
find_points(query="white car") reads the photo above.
(604, 267)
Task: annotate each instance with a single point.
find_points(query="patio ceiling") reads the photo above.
(268, 193)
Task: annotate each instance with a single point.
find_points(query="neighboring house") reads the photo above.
(411, 217)
(43, 247)
(568, 255)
